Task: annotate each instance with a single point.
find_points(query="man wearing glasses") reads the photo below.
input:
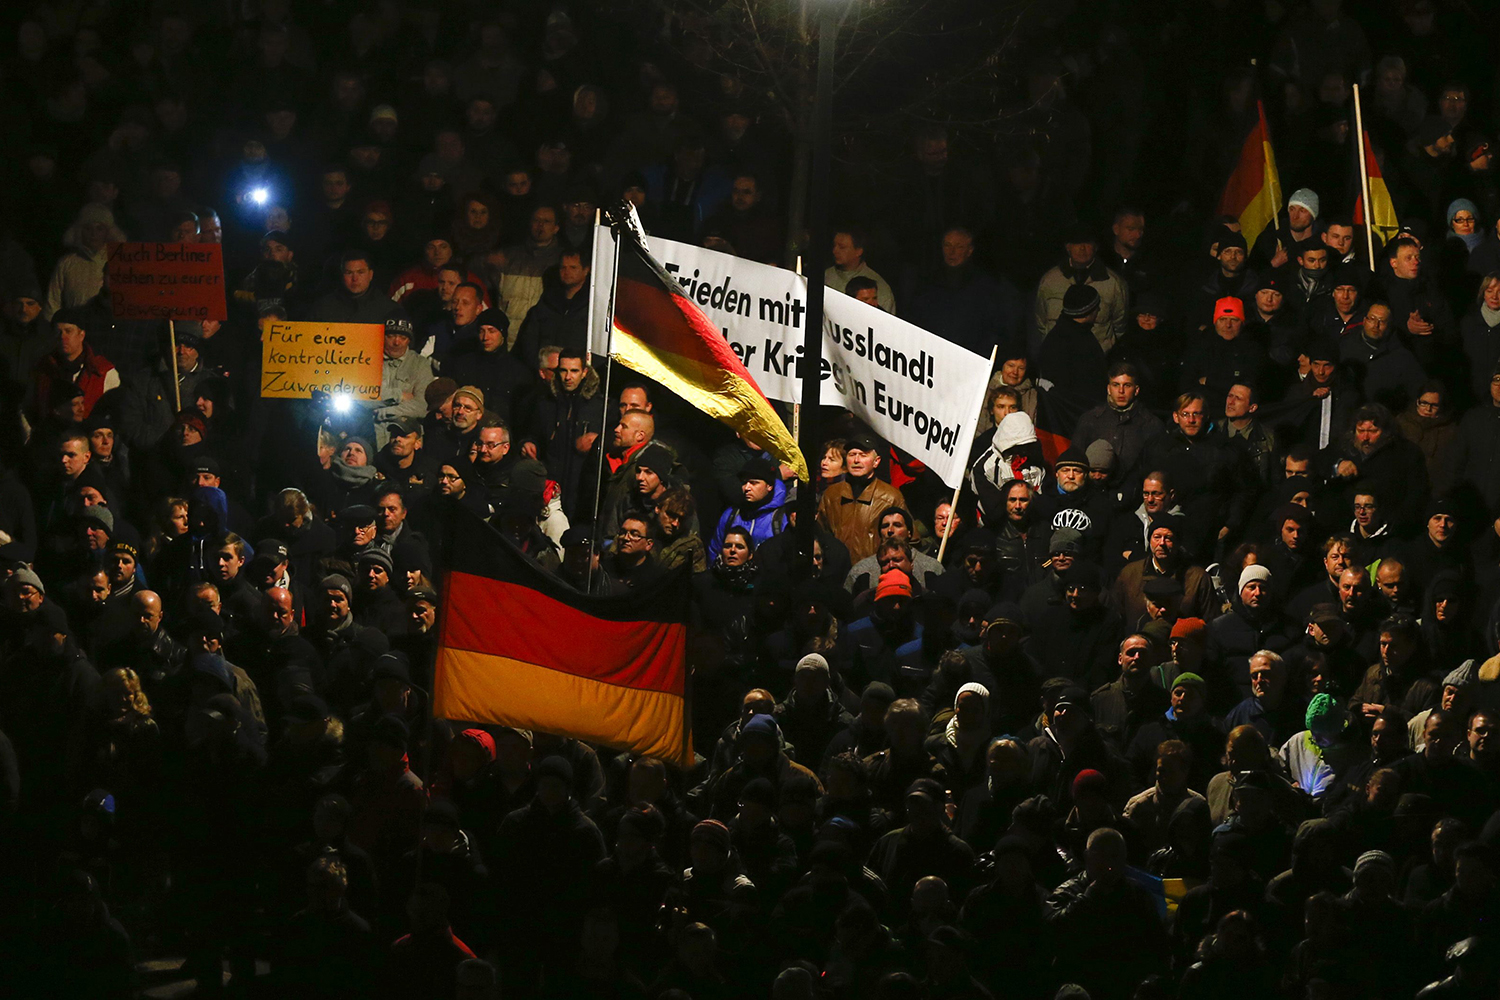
(1387, 370)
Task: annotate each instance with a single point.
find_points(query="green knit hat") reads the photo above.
(1325, 715)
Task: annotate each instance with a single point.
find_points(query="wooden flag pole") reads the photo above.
(1364, 178)
(172, 352)
(953, 504)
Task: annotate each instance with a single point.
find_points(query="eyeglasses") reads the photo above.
(490, 445)
(632, 535)
(1366, 506)
(449, 477)
(1424, 405)
(1464, 219)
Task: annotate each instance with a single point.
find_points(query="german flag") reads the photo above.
(518, 647)
(1253, 192)
(661, 333)
(1382, 210)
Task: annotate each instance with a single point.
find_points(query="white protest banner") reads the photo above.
(912, 387)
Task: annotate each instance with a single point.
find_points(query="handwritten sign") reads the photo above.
(166, 281)
(299, 358)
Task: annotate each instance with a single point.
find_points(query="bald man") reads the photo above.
(150, 651)
(281, 662)
(635, 430)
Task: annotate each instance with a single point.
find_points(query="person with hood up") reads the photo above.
(1013, 453)
(762, 495)
(79, 275)
(961, 750)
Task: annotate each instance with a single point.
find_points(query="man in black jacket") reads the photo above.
(565, 422)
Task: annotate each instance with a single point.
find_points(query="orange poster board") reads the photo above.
(177, 281)
(299, 358)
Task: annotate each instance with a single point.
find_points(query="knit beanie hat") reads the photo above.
(1307, 198)
(1461, 675)
(1188, 679)
(1101, 456)
(893, 583)
(1190, 628)
(812, 661)
(1325, 715)
(1253, 573)
(1079, 300)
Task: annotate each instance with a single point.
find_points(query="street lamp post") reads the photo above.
(820, 241)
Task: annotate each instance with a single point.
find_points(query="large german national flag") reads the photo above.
(661, 333)
(1253, 192)
(518, 647)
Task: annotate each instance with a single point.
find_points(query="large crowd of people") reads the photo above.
(1199, 704)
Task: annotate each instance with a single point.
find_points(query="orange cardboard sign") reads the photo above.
(166, 281)
(300, 358)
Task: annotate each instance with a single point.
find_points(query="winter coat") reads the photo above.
(1478, 456)
(856, 521)
(374, 306)
(1481, 343)
(499, 374)
(1437, 437)
(1387, 371)
(1128, 432)
(79, 277)
(1114, 299)
(95, 376)
(555, 321)
(1396, 467)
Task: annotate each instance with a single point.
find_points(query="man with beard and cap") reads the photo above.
(762, 493)
(1231, 278)
(1070, 501)
(402, 461)
(1076, 638)
(1253, 623)
(1375, 450)
(1164, 560)
(1121, 707)
(1070, 362)
(377, 603)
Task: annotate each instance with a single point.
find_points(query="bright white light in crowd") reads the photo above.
(343, 402)
(260, 196)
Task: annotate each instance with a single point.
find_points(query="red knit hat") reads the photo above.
(893, 583)
(1090, 780)
(481, 739)
(1189, 628)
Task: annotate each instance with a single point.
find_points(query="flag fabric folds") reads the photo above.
(661, 333)
(1253, 192)
(1382, 213)
(518, 647)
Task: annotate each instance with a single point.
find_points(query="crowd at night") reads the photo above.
(1189, 691)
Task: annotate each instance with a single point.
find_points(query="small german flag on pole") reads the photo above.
(518, 647)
